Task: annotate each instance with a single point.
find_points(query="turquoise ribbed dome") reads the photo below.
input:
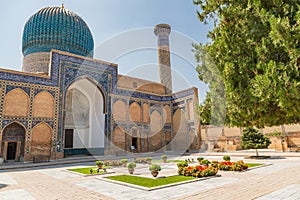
(57, 28)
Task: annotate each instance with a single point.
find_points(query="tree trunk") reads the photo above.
(256, 152)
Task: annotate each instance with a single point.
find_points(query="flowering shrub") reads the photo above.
(233, 166)
(112, 163)
(197, 171)
(226, 165)
(240, 166)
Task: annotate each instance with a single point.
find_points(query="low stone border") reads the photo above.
(263, 165)
(158, 187)
(87, 175)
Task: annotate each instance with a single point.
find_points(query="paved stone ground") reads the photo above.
(281, 180)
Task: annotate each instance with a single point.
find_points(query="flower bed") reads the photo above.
(196, 171)
(232, 166)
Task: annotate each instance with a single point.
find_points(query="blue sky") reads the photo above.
(123, 34)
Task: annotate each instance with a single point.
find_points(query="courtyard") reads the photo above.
(280, 179)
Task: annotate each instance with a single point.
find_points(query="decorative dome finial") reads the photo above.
(62, 6)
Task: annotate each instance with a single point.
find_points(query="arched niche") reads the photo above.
(135, 112)
(13, 141)
(181, 139)
(43, 105)
(41, 138)
(119, 137)
(16, 103)
(155, 131)
(119, 111)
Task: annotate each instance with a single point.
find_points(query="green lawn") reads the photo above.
(253, 164)
(87, 170)
(149, 182)
(169, 161)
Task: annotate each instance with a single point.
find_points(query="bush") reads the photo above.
(131, 165)
(149, 158)
(182, 164)
(226, 166)
(200, 159)
(124, 160)
(99, 162)
(226, 158)
(164, 156)
(112, 163)
(205, 162)
(240, 166)
(140, 160)
(154, 167)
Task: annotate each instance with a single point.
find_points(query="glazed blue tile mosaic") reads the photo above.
(47, 29)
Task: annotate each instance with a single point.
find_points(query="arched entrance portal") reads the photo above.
(13, 142)
(84, 119)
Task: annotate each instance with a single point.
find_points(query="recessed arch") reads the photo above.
(146, 112)
(135, 112)
(41, 139)
(86, 137)
(119, 137)
(95, 83)
(155, 122)
(181, 139)
(16, 103)
(43, 105)
(119, 111)
(167, 114)
(13, 141)
(155, 131)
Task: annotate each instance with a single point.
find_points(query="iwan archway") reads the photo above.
(84, 119)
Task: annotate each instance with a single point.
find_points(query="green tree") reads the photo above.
(253, 139)
(254, 49)
(205, 110)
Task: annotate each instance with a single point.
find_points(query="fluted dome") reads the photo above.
(57, 28)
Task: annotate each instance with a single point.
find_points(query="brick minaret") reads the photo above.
(162, 32)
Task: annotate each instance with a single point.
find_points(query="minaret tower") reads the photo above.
(162, 32)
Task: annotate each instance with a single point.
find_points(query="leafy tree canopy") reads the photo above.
(254, 49)
(205, 110)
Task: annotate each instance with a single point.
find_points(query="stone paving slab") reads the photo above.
(121, 192)
(6, 179)
(291, 192)
(59, 174)
(17, 194)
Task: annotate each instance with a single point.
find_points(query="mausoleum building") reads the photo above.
(64, 102)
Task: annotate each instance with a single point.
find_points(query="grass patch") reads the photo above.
(168, 161)
(149, 182)
(86, 170)
(250, 165)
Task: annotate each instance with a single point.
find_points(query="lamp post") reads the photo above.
(57, 148)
